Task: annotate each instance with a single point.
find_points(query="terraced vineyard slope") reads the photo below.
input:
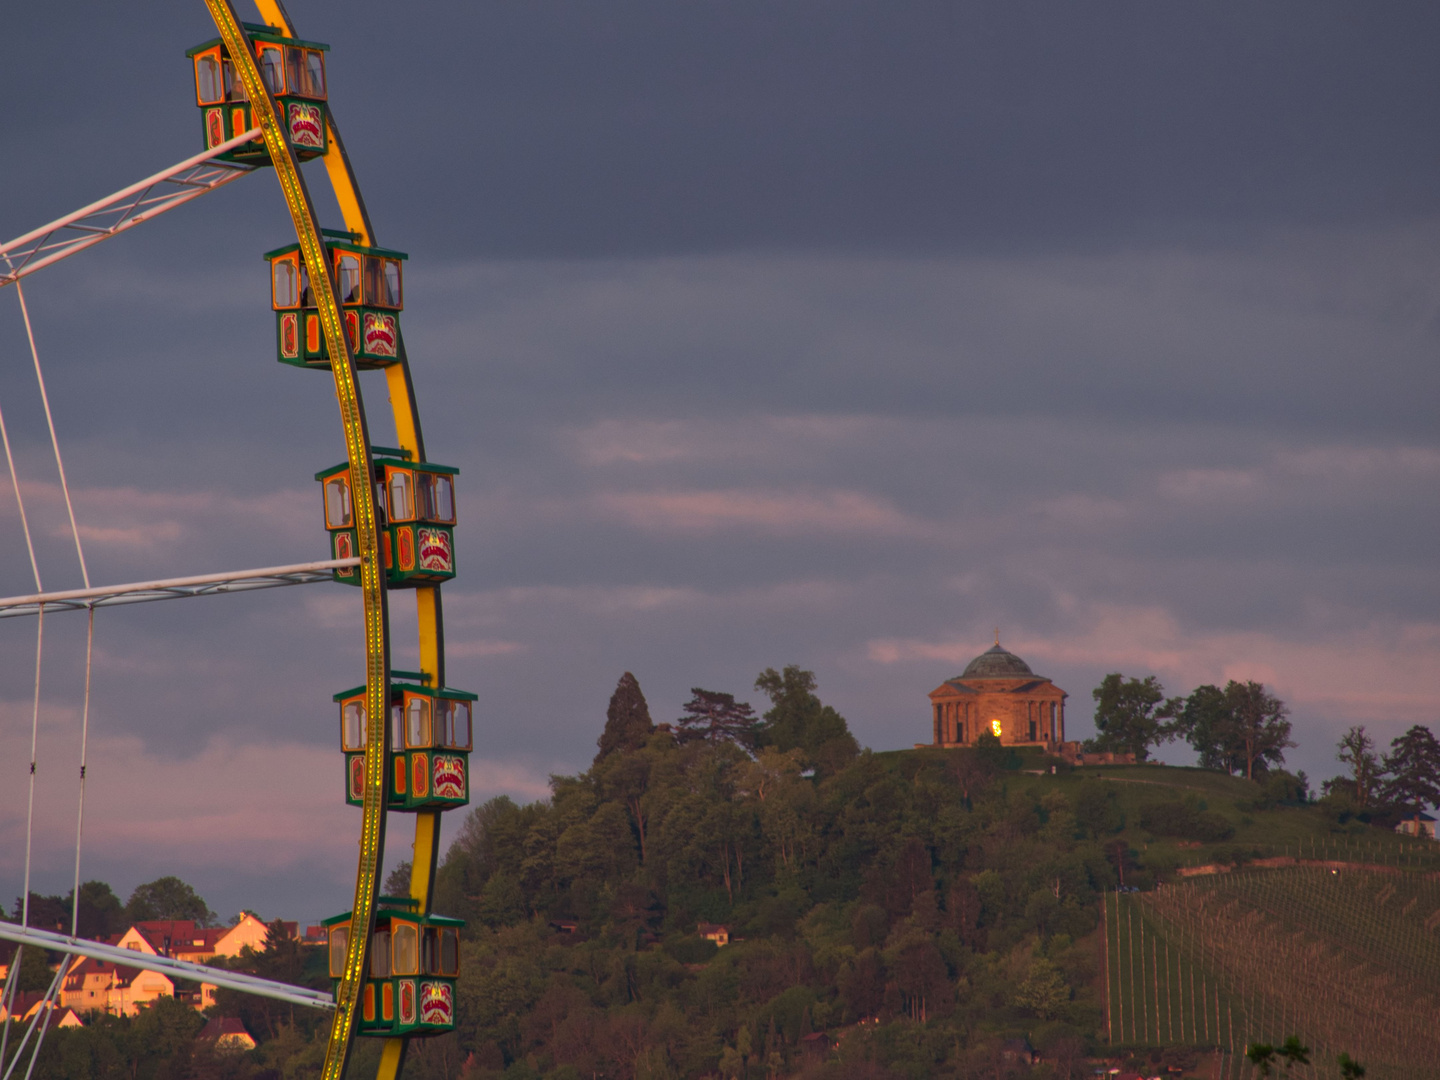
(1346, 958)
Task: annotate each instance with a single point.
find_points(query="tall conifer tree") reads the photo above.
(627, 720)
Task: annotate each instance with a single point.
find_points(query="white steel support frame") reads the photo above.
(128, 207)
(140, 592)
(184, 969)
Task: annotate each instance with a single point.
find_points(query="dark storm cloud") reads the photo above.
(639, 128)
(762, 333)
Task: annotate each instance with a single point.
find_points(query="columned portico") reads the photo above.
(998, 694)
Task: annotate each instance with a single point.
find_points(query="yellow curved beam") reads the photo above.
(425, 856)
(357, 447)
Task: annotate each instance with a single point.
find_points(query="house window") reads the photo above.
(995, 727)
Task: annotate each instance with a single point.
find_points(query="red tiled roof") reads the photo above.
(179, 932)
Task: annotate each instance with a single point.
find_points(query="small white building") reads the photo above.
(1417, 824)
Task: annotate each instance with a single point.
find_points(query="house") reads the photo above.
(179, 939)
(815, 1046)
(100, 986)
(29, 1002)
(227, 1033)
(720, 935)
(1018, 1052)
(250, 931)
(182, 939)
(1418, 825)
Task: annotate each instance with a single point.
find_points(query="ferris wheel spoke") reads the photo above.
(126, 208)
(185, 969)
(140, 592)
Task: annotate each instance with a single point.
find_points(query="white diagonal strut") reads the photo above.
(140, 592)
(185, 969)
(125, 209)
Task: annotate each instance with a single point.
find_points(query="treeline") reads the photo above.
(915, 903)
(897, 915)
(1407, 779)
(1242, 728)
(98, 915)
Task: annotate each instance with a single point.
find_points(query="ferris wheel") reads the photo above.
(389, 512)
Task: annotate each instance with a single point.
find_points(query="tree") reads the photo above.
(627, 720)
(397, 882)
(1260, 728)
(1043, 990)
(34, 973)
(46, 912)
(797, 720)
(167, 898)
(101, 913)
(1204, 720)
(1130, 715)
(717, 717)
(1293, 1052)
(1239, 729)
(1357, 750)
(1350, 1069)
(1262, 1056)
(1414, 767)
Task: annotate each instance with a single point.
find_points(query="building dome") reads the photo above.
(997, 663)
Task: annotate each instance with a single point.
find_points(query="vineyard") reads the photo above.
(1346, 958)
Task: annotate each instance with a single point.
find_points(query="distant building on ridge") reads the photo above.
(999, 694)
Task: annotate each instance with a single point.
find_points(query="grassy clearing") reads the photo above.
(1261, 831)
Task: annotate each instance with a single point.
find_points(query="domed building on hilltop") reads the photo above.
(999, 693)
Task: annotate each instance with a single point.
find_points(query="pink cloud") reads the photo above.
(641, 442)
(1371, 673)
(776, 512)
(482, 648)
(129, 517)
(263, 806)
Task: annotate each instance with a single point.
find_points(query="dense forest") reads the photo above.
(913, 902)
(905, 914)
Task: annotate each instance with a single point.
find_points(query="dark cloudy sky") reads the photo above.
(829, 333)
